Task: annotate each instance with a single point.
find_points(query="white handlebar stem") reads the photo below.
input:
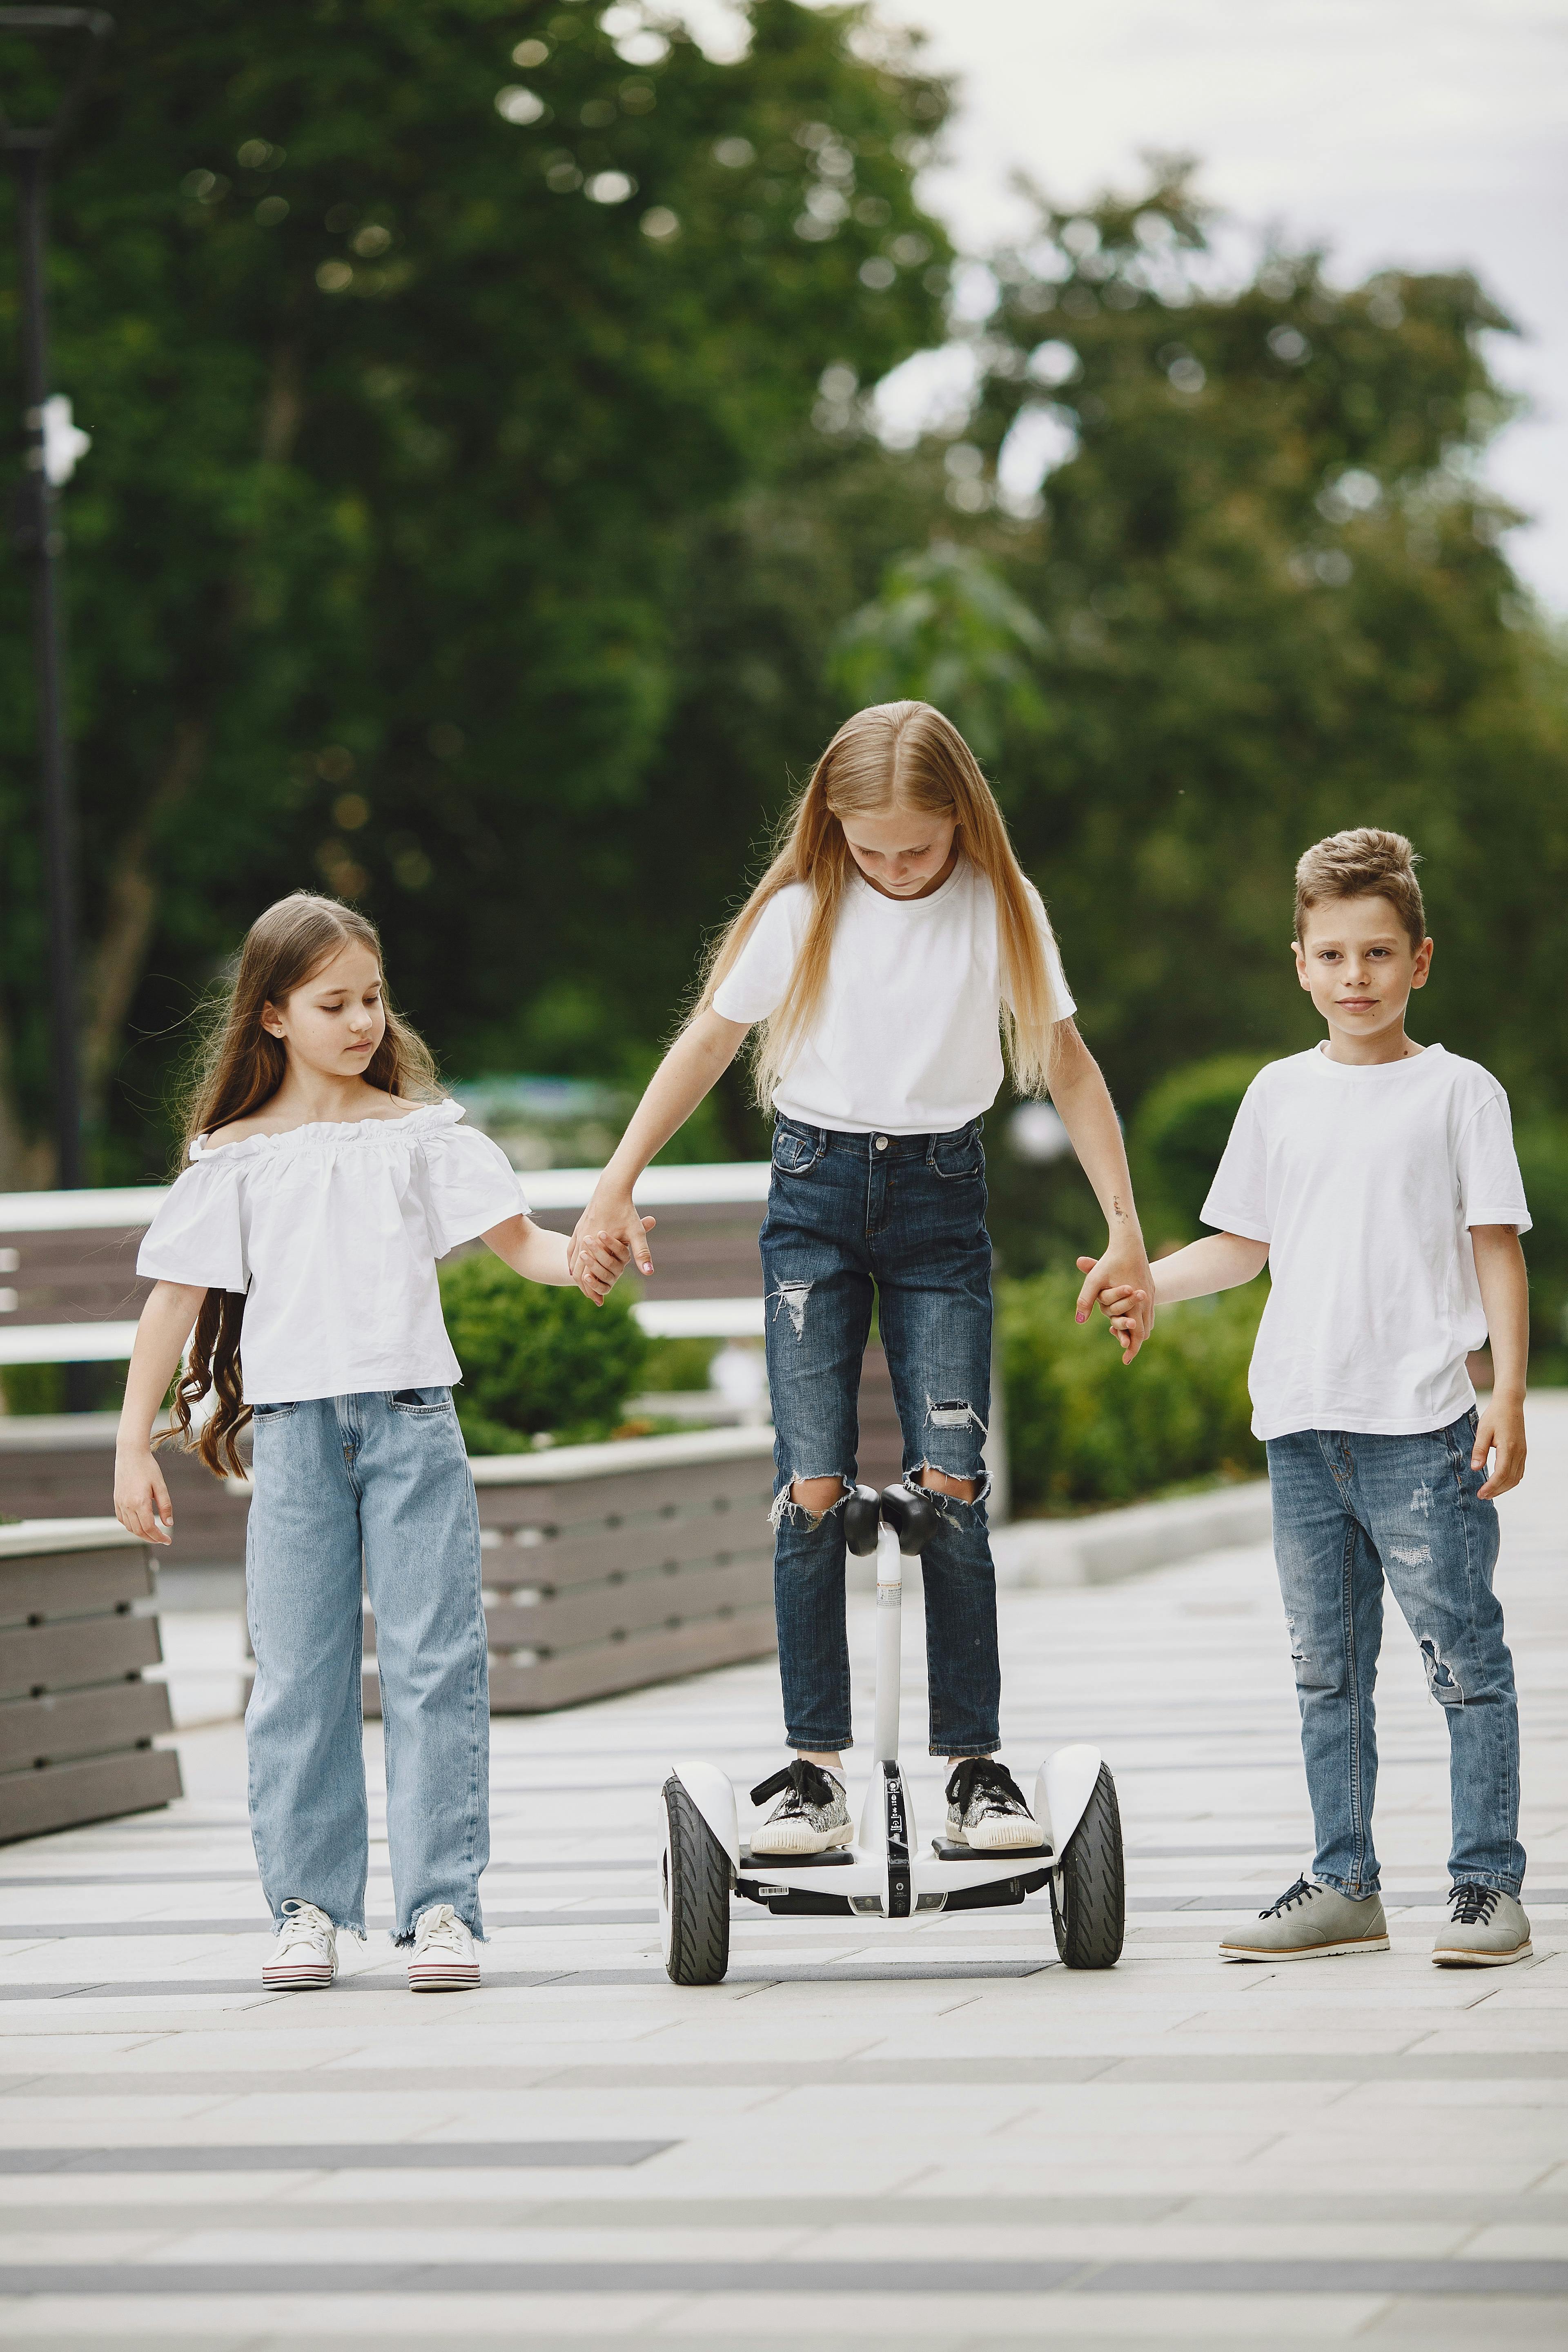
(890, 1644)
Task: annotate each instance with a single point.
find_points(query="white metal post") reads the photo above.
(890, 1645)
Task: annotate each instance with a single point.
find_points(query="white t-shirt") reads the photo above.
(907, 1038)
(334, 1231)
(1364, 1182)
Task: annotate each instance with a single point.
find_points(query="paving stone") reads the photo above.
(938, 2137)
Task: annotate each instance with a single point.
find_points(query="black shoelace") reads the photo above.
(810, 1783)
(1473, 1903)
(995, 1782)
(1303, 1891)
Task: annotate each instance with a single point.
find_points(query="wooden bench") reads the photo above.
(76, 1721)
(607, 1568)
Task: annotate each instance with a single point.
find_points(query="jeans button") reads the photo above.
(881, 1143)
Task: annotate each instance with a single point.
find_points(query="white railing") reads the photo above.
(711, 1184)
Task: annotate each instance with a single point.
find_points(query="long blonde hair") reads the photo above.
(240, 1066)
(893, 755)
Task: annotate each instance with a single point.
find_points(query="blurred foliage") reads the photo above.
(494, 544)
(1176, 1139)
(1543, 1147)
(1082, 1427)
(41, 1388)
(1277, 604)
(947, 627)
(435, 399)
(536, 1359)
(677, 1364)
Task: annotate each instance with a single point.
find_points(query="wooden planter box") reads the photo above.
(76, 1721)
(607, 1568)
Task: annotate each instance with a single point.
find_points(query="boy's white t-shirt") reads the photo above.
(907, 1038)
(1364, 1182)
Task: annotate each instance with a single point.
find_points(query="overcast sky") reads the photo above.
(1423, 132)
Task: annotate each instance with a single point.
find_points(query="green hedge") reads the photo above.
(1084, 1428)
(537, 1360)
(1178, 1134)
(1542, 1146)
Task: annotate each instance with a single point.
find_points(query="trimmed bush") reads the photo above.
(1178, 1133)
(1082, 1427)
(1542, 1146)
(536, 1359)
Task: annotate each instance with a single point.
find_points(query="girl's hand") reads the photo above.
(599, 1265)
(611, 1218)
(141, 1499)
(1123, 1273)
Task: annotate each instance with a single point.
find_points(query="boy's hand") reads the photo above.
(1123, 1267)
(1129, 1307)
(1501, 1428)
(141, 1499)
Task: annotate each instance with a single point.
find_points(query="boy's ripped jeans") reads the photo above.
(902, 1216)
(1350, 1512)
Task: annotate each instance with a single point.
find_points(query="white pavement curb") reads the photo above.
(1103, 1547)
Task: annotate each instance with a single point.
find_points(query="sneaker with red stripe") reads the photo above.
(305, 1956)
(443, 1959)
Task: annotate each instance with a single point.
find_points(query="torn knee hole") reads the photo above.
(1440, 1681)
(944, 1488)
(937, 1482)
(809, 1501)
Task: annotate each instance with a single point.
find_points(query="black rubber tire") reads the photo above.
(1089, 1893)
(696, 1893)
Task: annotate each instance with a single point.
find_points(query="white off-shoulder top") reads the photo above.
(332, 1231)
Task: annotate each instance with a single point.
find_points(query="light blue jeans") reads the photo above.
(1351, 1511)
(379, 1480)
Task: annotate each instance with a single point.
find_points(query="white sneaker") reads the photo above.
(986, 1809)
(812, 1814)
(305, 1956)
(443, 1959)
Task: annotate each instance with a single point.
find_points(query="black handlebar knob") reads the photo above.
(861, 1513)
(911, 1516)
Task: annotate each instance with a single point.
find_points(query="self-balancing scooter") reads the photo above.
(884, 1875)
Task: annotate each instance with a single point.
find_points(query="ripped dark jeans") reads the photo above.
(904, 1215)
(1350, 1511)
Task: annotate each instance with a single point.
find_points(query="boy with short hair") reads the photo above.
(1377, 1178)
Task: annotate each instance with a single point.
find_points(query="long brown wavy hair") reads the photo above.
(894, 754)
(239, 1067)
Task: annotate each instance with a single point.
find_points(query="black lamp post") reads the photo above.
(52, 447)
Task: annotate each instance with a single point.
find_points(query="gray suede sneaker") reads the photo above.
(1488, 1930)
(812, 1814)
(1310, 1923)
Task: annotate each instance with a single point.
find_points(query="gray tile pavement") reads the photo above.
(933, 2135)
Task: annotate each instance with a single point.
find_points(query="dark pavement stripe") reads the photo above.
(426, 2155)
(528, 1980)
(1368, 2276)
(764, 2073)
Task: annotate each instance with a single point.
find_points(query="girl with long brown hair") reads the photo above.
(326, 1175)
(890, 950)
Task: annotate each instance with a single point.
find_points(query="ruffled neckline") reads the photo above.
(429, 1118)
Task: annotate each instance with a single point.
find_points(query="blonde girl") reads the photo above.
(326, 1176)
(889, 950)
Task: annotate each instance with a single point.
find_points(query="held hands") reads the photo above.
(1499, 1429)
(596, 1258)
(141, 1502)
(1122, 1287)
(611, 1221)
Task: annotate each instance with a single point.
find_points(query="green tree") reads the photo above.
(423, 343)
(1277, 604)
